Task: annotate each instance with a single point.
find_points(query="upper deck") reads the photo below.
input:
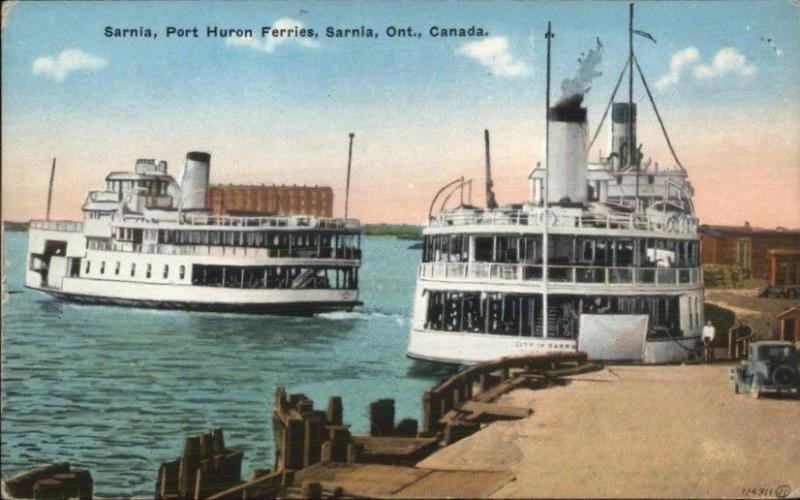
(564, 220)
(239, 223)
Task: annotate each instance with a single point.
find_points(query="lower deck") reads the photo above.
(465, 326)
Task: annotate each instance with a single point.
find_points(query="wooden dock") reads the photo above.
(316, 456)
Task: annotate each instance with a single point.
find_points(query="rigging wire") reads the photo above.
(658, 115)
(608, 107)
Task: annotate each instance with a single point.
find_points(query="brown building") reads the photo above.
(271, 200)
(784, 266)
(745, 247)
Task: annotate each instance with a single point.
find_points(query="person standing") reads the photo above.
(708, 338)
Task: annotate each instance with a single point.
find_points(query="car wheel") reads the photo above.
(784, 377)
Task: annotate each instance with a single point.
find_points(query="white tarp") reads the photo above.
(613, 337)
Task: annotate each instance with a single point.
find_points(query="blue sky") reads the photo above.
(418, 106)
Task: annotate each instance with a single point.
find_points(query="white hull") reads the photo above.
(460, 348)
(166, 296)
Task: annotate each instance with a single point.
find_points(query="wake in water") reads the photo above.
(363, 315)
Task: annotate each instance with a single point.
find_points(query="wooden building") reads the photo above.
(784, 265)
(747, 247)
(271, 200)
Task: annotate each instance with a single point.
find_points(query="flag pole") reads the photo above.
(347, 189)
(50, 187)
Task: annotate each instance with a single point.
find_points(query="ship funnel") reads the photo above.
(567, 169)
(194, 181)
(622, 136)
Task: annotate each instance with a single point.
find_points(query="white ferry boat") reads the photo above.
(605, 260)
(146, 241)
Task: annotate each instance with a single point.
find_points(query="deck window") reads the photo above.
(88, 267)
(133, 269)
(182, 272)
(166, 272)
(116, 268)
(521, 314)
(149, 271)
(103, 267)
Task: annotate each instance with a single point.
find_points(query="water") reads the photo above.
(116, 390)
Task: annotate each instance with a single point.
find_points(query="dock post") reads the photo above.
(188, 467)
(293, 448)
(431, 411)
(314, 427)
(381, 417)
(335, 410)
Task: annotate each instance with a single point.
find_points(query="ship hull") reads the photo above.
(283, 308)
(459, 348)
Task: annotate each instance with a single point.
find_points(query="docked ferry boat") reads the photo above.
(603, 258)
(148, 241)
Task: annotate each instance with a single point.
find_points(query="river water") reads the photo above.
(116, 390)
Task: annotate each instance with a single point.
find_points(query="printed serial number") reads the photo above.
(781, 491)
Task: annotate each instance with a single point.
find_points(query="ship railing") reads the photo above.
(67, 226)
(232, 251)
(668, 223)
(487, 271)
(294, 221)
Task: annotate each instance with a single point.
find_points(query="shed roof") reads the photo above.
(791, 313)
(784, 252)
(746, 230)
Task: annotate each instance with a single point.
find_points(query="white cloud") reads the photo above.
(679, 60)
(493, 53)
(269, 43)
(67, 61)
(726, 61)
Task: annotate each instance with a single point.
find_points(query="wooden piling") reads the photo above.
(406, 428)
(335, 410)
(293, 443)
(21, 485)
(48, 489)
(187, 475)
(339, 439)
(312, 490)
(381, 417)
(314, 435)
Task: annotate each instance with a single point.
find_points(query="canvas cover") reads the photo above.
(613, 337)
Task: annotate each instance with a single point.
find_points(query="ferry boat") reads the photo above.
(603, 257)
(147, 241)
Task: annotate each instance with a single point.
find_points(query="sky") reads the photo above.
(270, 110)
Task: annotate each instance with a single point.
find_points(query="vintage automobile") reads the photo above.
(771, 367)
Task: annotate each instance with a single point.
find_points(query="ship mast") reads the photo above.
(631, 145)
(491, 201)
(549, 35)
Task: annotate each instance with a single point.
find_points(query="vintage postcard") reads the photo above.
(412, 249)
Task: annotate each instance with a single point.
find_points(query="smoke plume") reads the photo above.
(573, 89)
